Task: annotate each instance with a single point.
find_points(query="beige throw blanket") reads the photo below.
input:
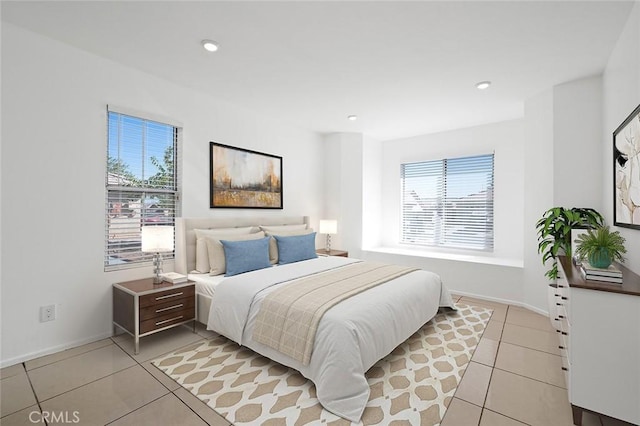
(289, 316)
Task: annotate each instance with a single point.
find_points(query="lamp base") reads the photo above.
(157, 268)
(328, 246)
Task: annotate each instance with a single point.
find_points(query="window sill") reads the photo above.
(458, 257)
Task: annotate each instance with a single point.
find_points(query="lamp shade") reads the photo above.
(157, 239)
(328, 226)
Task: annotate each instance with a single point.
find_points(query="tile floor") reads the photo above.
(514, 378)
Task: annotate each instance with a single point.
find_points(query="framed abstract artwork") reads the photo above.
(626, 172)
(241, 178)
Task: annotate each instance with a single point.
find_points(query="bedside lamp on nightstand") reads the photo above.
(328, 227)
(157, 239)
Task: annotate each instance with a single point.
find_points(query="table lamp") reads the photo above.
(328, 226)
(157, 239)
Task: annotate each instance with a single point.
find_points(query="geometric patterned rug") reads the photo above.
(411, 386)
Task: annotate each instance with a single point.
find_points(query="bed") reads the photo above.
(351, 336)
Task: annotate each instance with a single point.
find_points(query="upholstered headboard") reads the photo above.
(185, 260)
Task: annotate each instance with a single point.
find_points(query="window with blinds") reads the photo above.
(141, 185)
(448, 203)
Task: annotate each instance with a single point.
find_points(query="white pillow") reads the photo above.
(217, 264)
(273, 245)
(283, 228)
(202, 256)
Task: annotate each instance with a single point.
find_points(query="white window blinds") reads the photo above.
(448, 203)
(141, 185)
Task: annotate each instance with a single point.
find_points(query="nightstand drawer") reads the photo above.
(167, 320)
(170, 295)
(170, 306)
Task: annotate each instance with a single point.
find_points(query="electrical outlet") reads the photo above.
(47, 313)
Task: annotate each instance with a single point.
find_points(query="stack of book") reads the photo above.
(173, 277)
(611, 274)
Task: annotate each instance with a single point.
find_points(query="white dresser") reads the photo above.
(599, 329)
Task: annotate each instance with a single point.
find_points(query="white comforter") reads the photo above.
(351, 336)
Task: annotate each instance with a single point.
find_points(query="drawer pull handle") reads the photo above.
(169, 320)
(170, 307)
(565, 369)
(561, 347)
(557, 295)
(169, 295)
(559, 304)
(564, 298)
(561, 316)
(560, 285)
(564, 333)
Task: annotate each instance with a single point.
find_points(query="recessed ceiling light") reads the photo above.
(483, 85)
(210, 45)
(352, 117)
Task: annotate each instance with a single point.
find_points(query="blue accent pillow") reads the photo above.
(245, 256)
(296, 248)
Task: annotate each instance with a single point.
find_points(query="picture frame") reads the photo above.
(626, 172)
(244, 179)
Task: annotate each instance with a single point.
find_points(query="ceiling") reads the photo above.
(405, 68)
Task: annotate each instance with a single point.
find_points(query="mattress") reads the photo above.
(205, 283)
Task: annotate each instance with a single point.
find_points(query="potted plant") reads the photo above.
(600, 246)
(554, 232)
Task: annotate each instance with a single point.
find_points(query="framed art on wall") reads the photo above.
(626, 172)
(241, 178)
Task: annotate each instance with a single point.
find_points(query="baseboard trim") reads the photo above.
(51, 350)
(504, 301)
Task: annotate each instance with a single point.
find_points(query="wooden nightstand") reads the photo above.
(141, 307)
(323, 252)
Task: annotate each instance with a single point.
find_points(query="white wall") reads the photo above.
(551, 157)
(362, 191)
(343, 167)
(506, 139)
(372, 200)
(54, 101)
(539, 190)
(577, 130)
(621, 95)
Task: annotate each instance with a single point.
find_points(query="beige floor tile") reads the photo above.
(109, 398)
(493, 330)
(201, 409)
(473, 300)
(528, 400)
(29, 416)
(16, 394)
(455, 297)
(168, 410)
(11, 371)
(167, 381)
(201, 329)
(499, 309)
(489, 418)
(157, 344)
(461, 413)
(474, 384)
(486, 352)
(529, 319)
(70, 373)
(531, 363)
(531, 338)
(59, 356)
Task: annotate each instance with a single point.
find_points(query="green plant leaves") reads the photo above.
(554, 232)
(599, 238)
